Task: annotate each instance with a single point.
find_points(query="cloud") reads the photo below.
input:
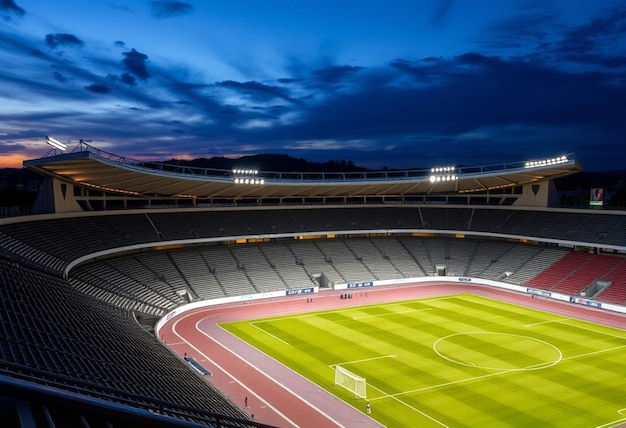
(477, 103)
(127, 79)
(258, 90)
(594, 35)
(442, 9)
(121, 7)
(600, 42)
(543, 97)
(169, 8)
(13, 43)
(58, 76)
(533, 25)
(537, 33)
(55, 40)
(9, 10)
(330, 144)
(135, 63)
(426, 70)
(98, 88)
(335, 73)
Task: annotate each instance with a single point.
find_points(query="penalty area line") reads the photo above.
(391, 313)
(558, 320)
(253, 324)
(345, 363)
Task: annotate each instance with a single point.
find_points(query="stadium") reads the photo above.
(121, 250)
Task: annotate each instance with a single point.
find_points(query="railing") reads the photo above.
(331, 177)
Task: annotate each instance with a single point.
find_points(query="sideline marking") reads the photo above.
(253, 324)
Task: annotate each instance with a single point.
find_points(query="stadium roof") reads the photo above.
(97, 169)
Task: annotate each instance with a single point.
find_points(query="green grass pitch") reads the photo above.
(454, 361)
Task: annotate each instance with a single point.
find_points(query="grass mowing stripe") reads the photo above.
(420, 388)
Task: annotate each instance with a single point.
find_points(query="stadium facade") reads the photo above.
(88, 179)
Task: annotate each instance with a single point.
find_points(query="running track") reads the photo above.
(277, 395)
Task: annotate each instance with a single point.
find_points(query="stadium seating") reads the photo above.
(576, 271)
(55, 336)
(247, 268)
(127, 267)
(63, 240)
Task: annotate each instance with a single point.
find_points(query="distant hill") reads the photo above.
(18, 190)
(19, 179)
(587, 180)
(270, 162)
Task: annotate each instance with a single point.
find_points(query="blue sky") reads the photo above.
(394, 83)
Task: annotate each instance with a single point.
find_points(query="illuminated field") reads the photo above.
(459, 360)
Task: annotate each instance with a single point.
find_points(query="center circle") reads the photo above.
(497, 351)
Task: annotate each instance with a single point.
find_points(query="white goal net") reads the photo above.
(351, 382)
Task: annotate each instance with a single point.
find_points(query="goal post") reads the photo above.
(350, 381)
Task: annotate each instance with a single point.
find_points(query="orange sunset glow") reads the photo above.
(13, 160)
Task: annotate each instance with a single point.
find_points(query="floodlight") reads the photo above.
(246, 176)
(56, 144)
(443, 173)
(545, 162)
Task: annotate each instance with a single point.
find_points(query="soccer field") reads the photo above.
(459, 360)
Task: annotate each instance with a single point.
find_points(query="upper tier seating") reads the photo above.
(53, 244)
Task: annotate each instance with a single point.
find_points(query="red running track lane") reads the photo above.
(277, 395)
